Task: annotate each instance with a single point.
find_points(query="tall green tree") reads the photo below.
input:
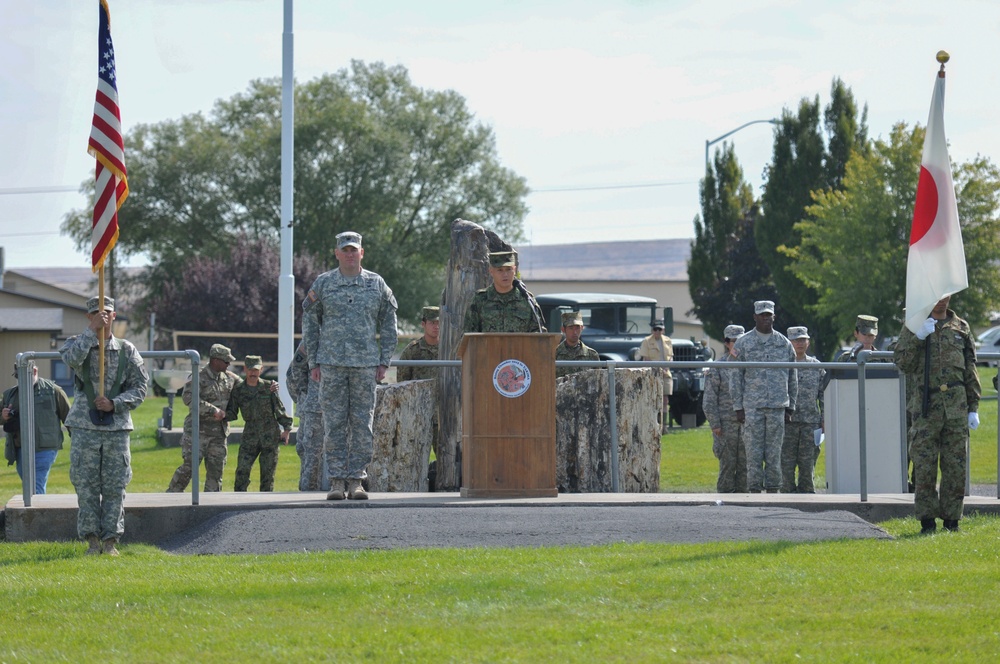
(373, 153)
(725, 272)
(855, 241)
(808, 156)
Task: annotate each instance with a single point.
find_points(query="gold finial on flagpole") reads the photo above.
(942, 57)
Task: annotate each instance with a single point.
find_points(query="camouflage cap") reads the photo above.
(253, 362)
(763, 306)
(658, 324)
(109, 304)
(348, 239)
(430, 313)
(733, 331)
(503, 258)
(572, 318)
(220, 352)
(867, 325)
(799, 332)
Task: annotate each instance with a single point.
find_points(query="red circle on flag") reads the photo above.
(926, 207)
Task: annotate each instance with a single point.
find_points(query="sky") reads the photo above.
(603, 106)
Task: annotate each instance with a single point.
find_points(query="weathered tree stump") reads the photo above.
(468, 271)
(403, 432)
(583, 462)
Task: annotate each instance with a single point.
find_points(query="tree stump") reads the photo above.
(403, 431)
(583, 462)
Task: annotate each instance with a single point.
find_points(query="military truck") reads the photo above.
(615, 325)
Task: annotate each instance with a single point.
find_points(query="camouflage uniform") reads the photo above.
(942, 436)
(764, 395)
(717, 402)
(581, 352)
(349, 328)
(418, 349)
(513, 311)
(265, 416)
(799, 446)
(214, 390)
(100, 465)
(309, 440)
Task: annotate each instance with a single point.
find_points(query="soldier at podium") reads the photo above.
(505, 306)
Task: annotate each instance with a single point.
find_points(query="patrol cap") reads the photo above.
(733, 331)
(220, 352)
(348, 239)
(867, 325)
(658, 324)
(572, 318)
(503, 258)
(109, 304)
(253, 362)
(763, 306)
(799, 332)
(430, 313)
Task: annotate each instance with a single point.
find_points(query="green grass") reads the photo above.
(910, 599)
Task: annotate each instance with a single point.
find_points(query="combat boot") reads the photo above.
(951, 524)
(927, 526)
(336, 490)
(95, 545)
(109, 547)
(355, 491)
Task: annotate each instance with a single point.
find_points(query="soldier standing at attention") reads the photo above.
(309, 440)
(763, 399)
(505, 306)
(349, 328)
(266, 424)
(799, 446)
(571, 347)
(424, 348)
(215, 384)
(940, 360)
(727, 442)
(659, 348)
(100, 461)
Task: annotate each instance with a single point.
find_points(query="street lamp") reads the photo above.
(709, 144)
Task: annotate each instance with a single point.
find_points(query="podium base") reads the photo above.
(509, 493)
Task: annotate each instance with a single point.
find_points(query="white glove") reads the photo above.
(926, 329)
(973, 420)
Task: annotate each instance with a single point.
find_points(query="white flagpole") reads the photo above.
(286, 280)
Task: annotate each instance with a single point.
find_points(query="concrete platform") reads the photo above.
(153, 517)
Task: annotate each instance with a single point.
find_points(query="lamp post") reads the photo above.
(712, 142)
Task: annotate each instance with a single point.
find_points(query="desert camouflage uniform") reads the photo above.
(349, 328)
(943, 435)
(764, 395)
(799, 446)
(418, 349)
(264, 416)
(513, 311)
(213, 394)
(100, 459)
(717, 402)
(309, 439)
(581, 352)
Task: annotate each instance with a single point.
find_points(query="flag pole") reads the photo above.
(103, 334)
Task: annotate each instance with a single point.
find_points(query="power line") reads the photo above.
(600, 187)
(37, 190)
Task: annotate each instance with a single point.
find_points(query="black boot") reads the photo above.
(951, 524)
(927, 526)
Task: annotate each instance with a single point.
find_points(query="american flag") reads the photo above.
(108, 147)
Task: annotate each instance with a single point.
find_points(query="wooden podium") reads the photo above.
(508, 415)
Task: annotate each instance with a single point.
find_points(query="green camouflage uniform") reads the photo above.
(581, 352)
(100, 464)
(264, 416)
(513, 311)
(764, 395)
(349, 328)
(717, 402)
(940, 437)
(309, 439)
(799, 446)
(214, 390)
(418, 349)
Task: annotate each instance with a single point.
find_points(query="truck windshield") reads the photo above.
(616, 319)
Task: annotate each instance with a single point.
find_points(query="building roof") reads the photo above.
(638, 260)
(31, 320)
